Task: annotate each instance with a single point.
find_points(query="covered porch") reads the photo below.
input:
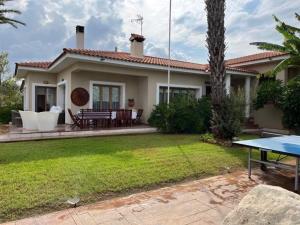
(235, 82)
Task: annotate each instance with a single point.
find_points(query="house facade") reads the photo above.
(112, 78)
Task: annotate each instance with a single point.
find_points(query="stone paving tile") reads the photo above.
(82, 219)
(58, 218)
(28, 221)
(205, 202)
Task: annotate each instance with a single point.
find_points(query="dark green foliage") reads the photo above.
(10, 99)
(5, 115)
(184, 115)
(230, 119)
(269, 91)
(291, 105)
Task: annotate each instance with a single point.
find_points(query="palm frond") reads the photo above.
(283, 26)
(11, 22)
(2, 11)
(6, 20)
(297, 16)
(293, 61)
(269, 46)
(293, 45)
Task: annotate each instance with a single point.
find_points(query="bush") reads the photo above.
(232, 114)
(269, 91)
(5, 115)
(184, 115)
(10, 99)
(290, 105)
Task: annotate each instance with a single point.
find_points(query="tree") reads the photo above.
(6, 20)
(3, 65)
(10, 95)
(216, 49)
(290, 45)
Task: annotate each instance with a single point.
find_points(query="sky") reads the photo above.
(50, 26)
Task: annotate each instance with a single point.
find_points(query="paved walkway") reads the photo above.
(205, 201)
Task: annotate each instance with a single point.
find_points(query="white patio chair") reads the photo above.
(29, 120)
(56, 109)
(47, 121)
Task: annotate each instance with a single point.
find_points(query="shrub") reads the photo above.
(232, 114)
(269, 91)
(10, 99)
(5, 115)
(290, 105)
(183, 115)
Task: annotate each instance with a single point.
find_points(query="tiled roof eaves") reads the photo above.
(125, 57)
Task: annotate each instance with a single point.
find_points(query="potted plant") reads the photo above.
(131, 102)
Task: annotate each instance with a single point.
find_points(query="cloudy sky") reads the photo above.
(51, 26)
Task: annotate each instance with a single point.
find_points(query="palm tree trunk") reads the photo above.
(216, 49)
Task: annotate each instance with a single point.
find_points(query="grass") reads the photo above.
(36, 177)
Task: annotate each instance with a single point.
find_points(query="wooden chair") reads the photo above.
(119, 117)
(76, 120)
(138, 116)
(128, 117)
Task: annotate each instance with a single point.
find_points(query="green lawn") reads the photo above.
(36, 177)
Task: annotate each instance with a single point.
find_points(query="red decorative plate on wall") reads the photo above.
(80, 96)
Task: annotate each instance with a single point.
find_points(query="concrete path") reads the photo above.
(205, 201)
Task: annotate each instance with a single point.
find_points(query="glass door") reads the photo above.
(115, 97)
(45, 98)
(106, 97)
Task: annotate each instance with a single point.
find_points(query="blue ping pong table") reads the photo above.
(288, 145)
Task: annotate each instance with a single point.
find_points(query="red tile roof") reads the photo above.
(124, 56)
(43, 65)
(254, 57)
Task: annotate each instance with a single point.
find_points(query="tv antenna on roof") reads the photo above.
(140, 20)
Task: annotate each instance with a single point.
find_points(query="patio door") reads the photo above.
(106, 97)
(45, 98)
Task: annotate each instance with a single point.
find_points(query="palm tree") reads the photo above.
(290, 45)
(6, 20)
(216, 48)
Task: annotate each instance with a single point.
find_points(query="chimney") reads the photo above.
(80, 37)
(137, 45)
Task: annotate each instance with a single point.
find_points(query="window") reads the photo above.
(174, 91)
(45, 98)
(106, 97)
(207, 90)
